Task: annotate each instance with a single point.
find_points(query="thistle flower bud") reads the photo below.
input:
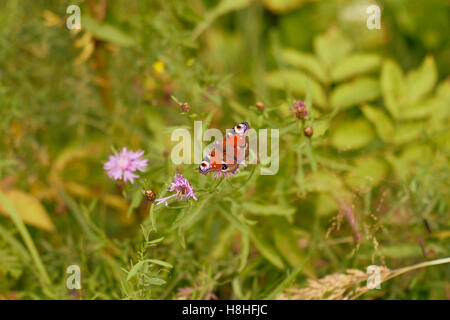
(185, 107)
(260, 106)
(308, 131)
(150, 195)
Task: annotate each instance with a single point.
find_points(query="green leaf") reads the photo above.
(135, 201)
(243, 111)
(267, 209)
(443, 92)
(351, 134)
(10, 263)
(399, 166)
(17, 220)
(332, 46)
(440, 116)
(14, 244)
(155, 241)
(421, 109)
(407, 131)
(306, 62)
(133, 271)
(234, 218)
(392, 86)
(224, 7)
(286, 244)
(353, 65)
(245, 250)
(155, 281)
(106, 32)
(187, 220)
(208, 120)
(355, 92)
(266, 250)
(325, 204)
(159, 262)
(421, 81)
(222, 242)
(300, 175)
(321, 126)
(321, 181)
(383, 124)
(296, 81)
(289, 279)
(368, 173)
(413, 154)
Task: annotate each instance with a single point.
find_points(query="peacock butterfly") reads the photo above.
(225, 158)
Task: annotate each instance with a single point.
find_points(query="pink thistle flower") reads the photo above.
(123, 165)
(299, 109)
(182, 187)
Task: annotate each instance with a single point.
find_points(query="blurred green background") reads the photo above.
(370, 187)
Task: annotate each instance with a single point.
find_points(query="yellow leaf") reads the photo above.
(283, 6)
(30, 210)
(51, 19)
(85, 53)
(84, 40)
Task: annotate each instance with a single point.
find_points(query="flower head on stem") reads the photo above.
(123, 165)
(182, 187)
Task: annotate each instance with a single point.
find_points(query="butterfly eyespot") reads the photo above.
(224, 167)
(240, 128)
(204, 166)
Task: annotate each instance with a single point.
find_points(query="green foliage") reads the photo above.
(358, 192)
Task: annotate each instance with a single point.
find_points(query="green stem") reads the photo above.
(27, 239)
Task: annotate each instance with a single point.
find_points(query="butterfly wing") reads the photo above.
(213, 161)
(236, 148)
(225, 158)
